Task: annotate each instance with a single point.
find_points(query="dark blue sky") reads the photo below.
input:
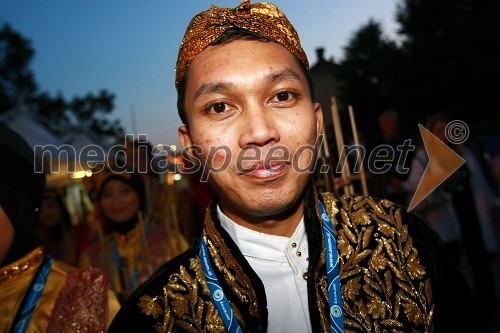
(130, 47)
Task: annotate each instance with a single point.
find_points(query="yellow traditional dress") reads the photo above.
(72, 299)
(133, 257)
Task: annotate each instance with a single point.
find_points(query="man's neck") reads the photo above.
(282, 224)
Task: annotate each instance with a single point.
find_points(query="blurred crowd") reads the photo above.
(463, 209)
(131, 223)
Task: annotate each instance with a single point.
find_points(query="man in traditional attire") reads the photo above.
(276, 256)
(37, 292)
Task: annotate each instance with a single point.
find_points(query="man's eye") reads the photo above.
(218, 107)
(283, 96)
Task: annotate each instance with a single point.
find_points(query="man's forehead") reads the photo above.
(269, 62)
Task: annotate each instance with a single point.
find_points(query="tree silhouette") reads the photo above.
(16, 78)
(91, 111)
(370, 72)
(452, 48)
(62, 117)
(446, 61)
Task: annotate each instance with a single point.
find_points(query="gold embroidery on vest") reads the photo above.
(183, 303)
(383, 281)
(233, 273)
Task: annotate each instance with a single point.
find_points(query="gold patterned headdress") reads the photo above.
(263, 19)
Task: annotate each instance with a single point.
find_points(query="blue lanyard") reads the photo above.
(218, 296)
(116, 257)
(333, 275)
(23, 317)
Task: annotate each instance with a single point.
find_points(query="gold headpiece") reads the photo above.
(263, 19)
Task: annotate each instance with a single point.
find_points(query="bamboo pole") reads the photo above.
(325, 143)
(337, 127)
(362, 174)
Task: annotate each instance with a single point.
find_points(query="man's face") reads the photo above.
(250, 100)
(439, 130)
(389, 125)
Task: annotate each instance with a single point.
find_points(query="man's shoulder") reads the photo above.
(350, 204)
(367, 214)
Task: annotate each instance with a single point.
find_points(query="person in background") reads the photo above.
(275, 255)
(437, 207)
(167, 204)
(390, 184)
(37, 292)
(130, 246)
(473, 202)
(55, 228)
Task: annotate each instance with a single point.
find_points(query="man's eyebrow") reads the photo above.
(216, 87)
(286, 74)
(212, 87)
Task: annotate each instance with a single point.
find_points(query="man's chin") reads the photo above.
(273, 208)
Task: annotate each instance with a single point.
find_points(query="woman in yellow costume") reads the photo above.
(37, 292)
(131, 246)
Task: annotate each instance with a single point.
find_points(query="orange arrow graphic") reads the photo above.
(443, 162)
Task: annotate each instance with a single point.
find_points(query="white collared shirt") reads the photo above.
(281, 264)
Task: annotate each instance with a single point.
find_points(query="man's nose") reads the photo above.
(259, 126)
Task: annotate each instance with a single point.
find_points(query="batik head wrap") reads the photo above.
(263, 19)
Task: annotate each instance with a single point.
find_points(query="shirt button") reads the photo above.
(294, 244)
(304, 275)
(299, 253)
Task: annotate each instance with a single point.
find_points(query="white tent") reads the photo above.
(41, 140)
(64, 160)
(30, 128)
(84, 142)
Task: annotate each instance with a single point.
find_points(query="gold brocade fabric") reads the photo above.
(82, 305)
(185, 303)
(186, 300)
(15, 283)
(263, 19)
(384, 285)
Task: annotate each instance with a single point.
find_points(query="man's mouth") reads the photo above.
(265, 169)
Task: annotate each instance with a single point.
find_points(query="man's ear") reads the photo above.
(190, 152)
(184, 136)
(319, 118)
